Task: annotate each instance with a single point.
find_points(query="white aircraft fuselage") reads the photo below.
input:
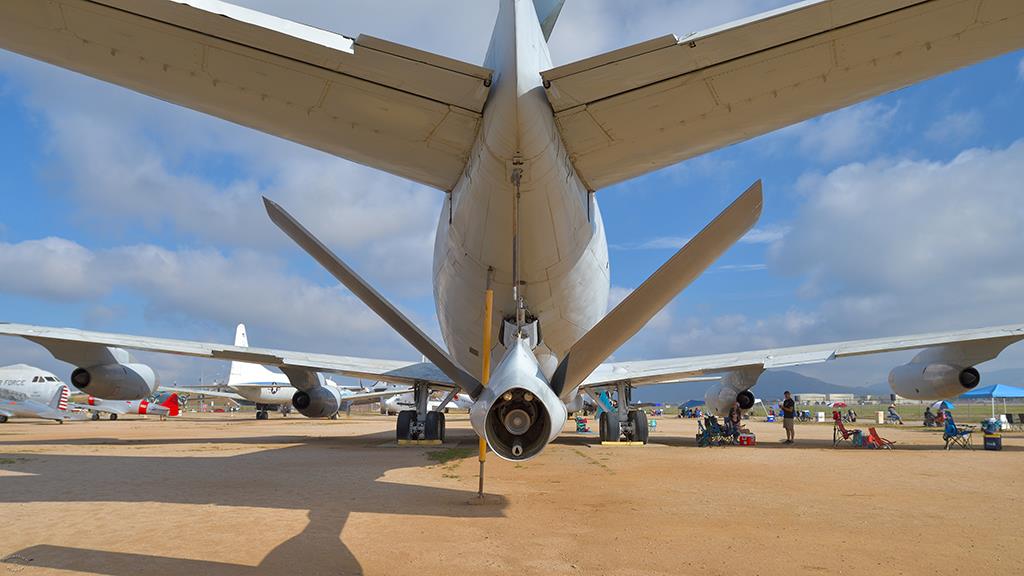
(563, 253)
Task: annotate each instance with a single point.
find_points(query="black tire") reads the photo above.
(3, 419)
(113, 416)
(602, 424)
(405, 419)
(641, 432)
(95, 415)
(433, 426)
(611, 427)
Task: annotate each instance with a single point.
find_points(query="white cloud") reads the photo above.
(201, 288)
(588, 28)
(850, 133)
(898, 245)
(956, 127)
(766, 235)
(742, 267)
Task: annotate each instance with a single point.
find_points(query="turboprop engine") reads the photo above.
(318, 402)
(920, 381)
(518, 413)
(117, 381)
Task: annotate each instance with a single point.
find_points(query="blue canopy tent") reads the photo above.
(995, 391)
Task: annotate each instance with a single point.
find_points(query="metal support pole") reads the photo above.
(517, 178)
(623, 398)
(485, 356)
(447, 399)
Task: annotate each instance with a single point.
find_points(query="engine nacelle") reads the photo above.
(733, 388)
(518, 413)
(935, 381)
(117, 381)
(320, 402)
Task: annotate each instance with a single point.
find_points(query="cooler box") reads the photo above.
(821, 417)
(747, 440)
(880, 417)
(993, 441)
(771, 418)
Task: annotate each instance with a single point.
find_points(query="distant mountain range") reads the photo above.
(773, 383)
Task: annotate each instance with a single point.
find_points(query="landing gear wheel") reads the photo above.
(602, 423)
(113, 416)
(262, 415)
(95, 415)
(335, 416)
(405, 420)
(433, 426)
(610, 424)
(641, 432)
(3, 419)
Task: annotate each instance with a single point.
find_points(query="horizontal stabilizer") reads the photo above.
(657, 291)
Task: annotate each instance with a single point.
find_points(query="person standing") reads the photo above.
(788, 417)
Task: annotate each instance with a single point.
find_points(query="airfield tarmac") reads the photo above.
(225, 494)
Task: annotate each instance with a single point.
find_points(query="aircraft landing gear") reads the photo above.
(113, 417)
(262, 412)
(631, 424)
(421, 423)
(95, 415)
(3, 419)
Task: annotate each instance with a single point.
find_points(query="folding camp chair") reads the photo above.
(957, 435)
(839, 431)
(876, 441)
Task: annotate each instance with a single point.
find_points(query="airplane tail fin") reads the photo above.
(243, 372)
(171, 403)
(61, 398)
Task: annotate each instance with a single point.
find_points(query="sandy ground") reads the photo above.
(229, 495)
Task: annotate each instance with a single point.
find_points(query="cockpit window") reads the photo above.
(51, 379)
(35, 378)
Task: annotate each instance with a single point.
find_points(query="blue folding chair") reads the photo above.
(957, 435)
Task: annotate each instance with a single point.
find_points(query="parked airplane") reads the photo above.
(267, 389)
(29, 392)
(115, 408)
(519, 148)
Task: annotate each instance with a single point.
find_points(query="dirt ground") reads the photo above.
(229, 495)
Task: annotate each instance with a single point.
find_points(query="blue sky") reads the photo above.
(122, 213)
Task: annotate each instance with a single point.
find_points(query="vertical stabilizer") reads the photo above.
(245, 373)
(547, 14)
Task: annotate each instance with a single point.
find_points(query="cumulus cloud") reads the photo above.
(847, 134)
(199, 286)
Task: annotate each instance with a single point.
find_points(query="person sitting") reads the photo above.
(929, 417)
(852, 415)
(735, 416)
(894, 416)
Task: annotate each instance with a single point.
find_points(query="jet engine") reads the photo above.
(518, 413)
(117, 381)
(733, 388)
(920, 381)
(319, 402)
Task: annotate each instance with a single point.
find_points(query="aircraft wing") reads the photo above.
(367, 397)
(73, 345)
(187, 391)
(971, 347)
(651, 105)
(402, 110)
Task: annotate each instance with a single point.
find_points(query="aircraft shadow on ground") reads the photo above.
(330, 478)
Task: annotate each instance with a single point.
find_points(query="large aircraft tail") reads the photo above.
(172, 405)
(245, 373)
